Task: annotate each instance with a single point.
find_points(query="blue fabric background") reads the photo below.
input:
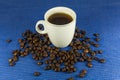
(102, 16)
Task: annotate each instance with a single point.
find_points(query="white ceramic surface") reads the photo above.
(60, 35)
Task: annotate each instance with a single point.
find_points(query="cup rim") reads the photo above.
(71, 10)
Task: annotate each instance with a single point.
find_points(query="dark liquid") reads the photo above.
(60, 18)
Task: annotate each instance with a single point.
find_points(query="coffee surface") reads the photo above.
(60, 18)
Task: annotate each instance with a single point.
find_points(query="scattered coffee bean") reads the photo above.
(39, 63)
(10, 60)
(64, 70)
(89, 65)
(97, 39)
(15, 58)
(8, 40)
(102, 60)
(12, 63)
(96, 45)
(84, 71)
(57, 69)
(37, 73)
(100, 51)
(39, 46)
(47, 68)
(81, 75)
(96, 34)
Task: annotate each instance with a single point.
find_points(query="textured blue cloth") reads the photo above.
(102, 16)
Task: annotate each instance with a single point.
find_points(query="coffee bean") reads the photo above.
(15, 58)
(89, 59)
(20, 40)
(74, 69)
(12, 63)
(96, 34)
(47, 62)
(102, 60)
(87, 39)
(8, 40)
(81, 60)
(96, 58)
(81, 75)
(57, 65)
(96, 45)
(91, 42)
(97, 39)
(83, 32)
(100, 51)
(37, 73)
(86, 51)
(64, 70)
(47, 68)
(89, 65)
(57, 69)
(10, 60)
(92, 53)
(84, 71)
(39, 63)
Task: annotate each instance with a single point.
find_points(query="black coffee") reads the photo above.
(60, 18)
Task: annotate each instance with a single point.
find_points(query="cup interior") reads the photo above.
(65, 10)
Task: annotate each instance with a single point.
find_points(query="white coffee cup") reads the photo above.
(59, 35)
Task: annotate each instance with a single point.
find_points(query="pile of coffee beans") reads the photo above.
(57, 59)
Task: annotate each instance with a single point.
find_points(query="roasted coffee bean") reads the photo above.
(96, 58)
(96, 34)
(89, 59)
(102, 60)
(8, 40)
(57, 65)
(89, 65)
(87, 39)
(64, 69)
(97, 39)
(39, 63)
(92, 53)
(16, 53)
(66, 63)
(96, 45)
(47, 68)
(10, 60)
(20, 40)
(84, 71)
(52, 66)
(100, 51)
(54, 61)
(12, 63)
(91, 42)
(83, 32)
(15, 58)
(57, 69)
(74, 69)
(70, 78)
(86, 51)
(47, 62)
(37, 73)
(81, 75)
(81, 60)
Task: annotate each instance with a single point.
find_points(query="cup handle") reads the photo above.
(37, 28)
